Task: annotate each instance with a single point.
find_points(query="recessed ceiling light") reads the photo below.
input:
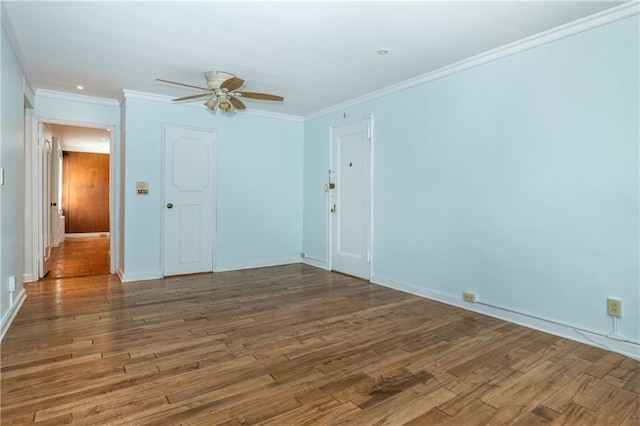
(382, 52)
(79, 87)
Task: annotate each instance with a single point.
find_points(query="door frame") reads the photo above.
(43, 207)
(330, 219)
(36, 187)
(214, 208)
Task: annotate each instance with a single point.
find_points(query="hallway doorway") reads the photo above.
(79, 213)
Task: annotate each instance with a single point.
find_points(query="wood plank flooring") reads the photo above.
(80, 256)
(292, 345)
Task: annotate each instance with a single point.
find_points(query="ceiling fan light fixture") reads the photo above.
(211, 103)
(224, 105)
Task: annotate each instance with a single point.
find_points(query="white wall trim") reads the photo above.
(114, 166)
(86, 234)
(580, 25)
(125, 278)
(322, 264)
(133, 94)
(11, 314)
(626, 348)
(77, 98)
(235, 266)
(28, 278)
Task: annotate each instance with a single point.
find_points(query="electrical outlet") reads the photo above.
(12, 283)
(614, 307)
(469, 297)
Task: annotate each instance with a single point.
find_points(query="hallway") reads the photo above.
(78, 257)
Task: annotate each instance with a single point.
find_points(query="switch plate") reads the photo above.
(142, 188)
(12, 283)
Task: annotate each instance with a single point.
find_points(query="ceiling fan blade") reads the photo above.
(181, 84)
(211, 103)
(262, 96)
(232, 83)
(237, 103)
(186, 98)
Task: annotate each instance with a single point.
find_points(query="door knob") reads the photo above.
(333, 209)
(169, 206)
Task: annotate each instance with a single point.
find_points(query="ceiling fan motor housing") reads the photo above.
(216, 78)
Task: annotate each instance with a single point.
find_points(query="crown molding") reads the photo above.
(132, 94)
(566, 30)
(43, 93)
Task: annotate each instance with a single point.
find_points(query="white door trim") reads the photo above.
(213, 189)
(332, 166)
(36, 190)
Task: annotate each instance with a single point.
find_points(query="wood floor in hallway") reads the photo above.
(292, 345)
(80, 256)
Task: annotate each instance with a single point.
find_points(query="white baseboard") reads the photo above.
(28, 278)
(322, 264)
(235, 266)
(626, 348)
(11, 315)
(125, 277)
(87, 234)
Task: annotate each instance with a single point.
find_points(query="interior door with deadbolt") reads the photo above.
(350, 198)
(189, 163)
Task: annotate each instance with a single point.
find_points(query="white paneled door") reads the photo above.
(189, 166)
(351, 198)
(45, 204)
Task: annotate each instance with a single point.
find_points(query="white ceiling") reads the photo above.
(315, 54)
(82, 139)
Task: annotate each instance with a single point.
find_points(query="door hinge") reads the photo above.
(369, 133)
(369, 257)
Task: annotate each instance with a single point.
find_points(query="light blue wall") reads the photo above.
(517, 180)
(77, 109)
(12, 160)
(258, 186)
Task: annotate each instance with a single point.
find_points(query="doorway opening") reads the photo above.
(76, 203)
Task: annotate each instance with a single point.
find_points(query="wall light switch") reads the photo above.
(142, 188)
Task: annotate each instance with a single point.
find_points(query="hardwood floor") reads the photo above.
(80, 256)
(292, 345)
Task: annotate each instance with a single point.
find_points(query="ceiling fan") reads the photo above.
(222, 90)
